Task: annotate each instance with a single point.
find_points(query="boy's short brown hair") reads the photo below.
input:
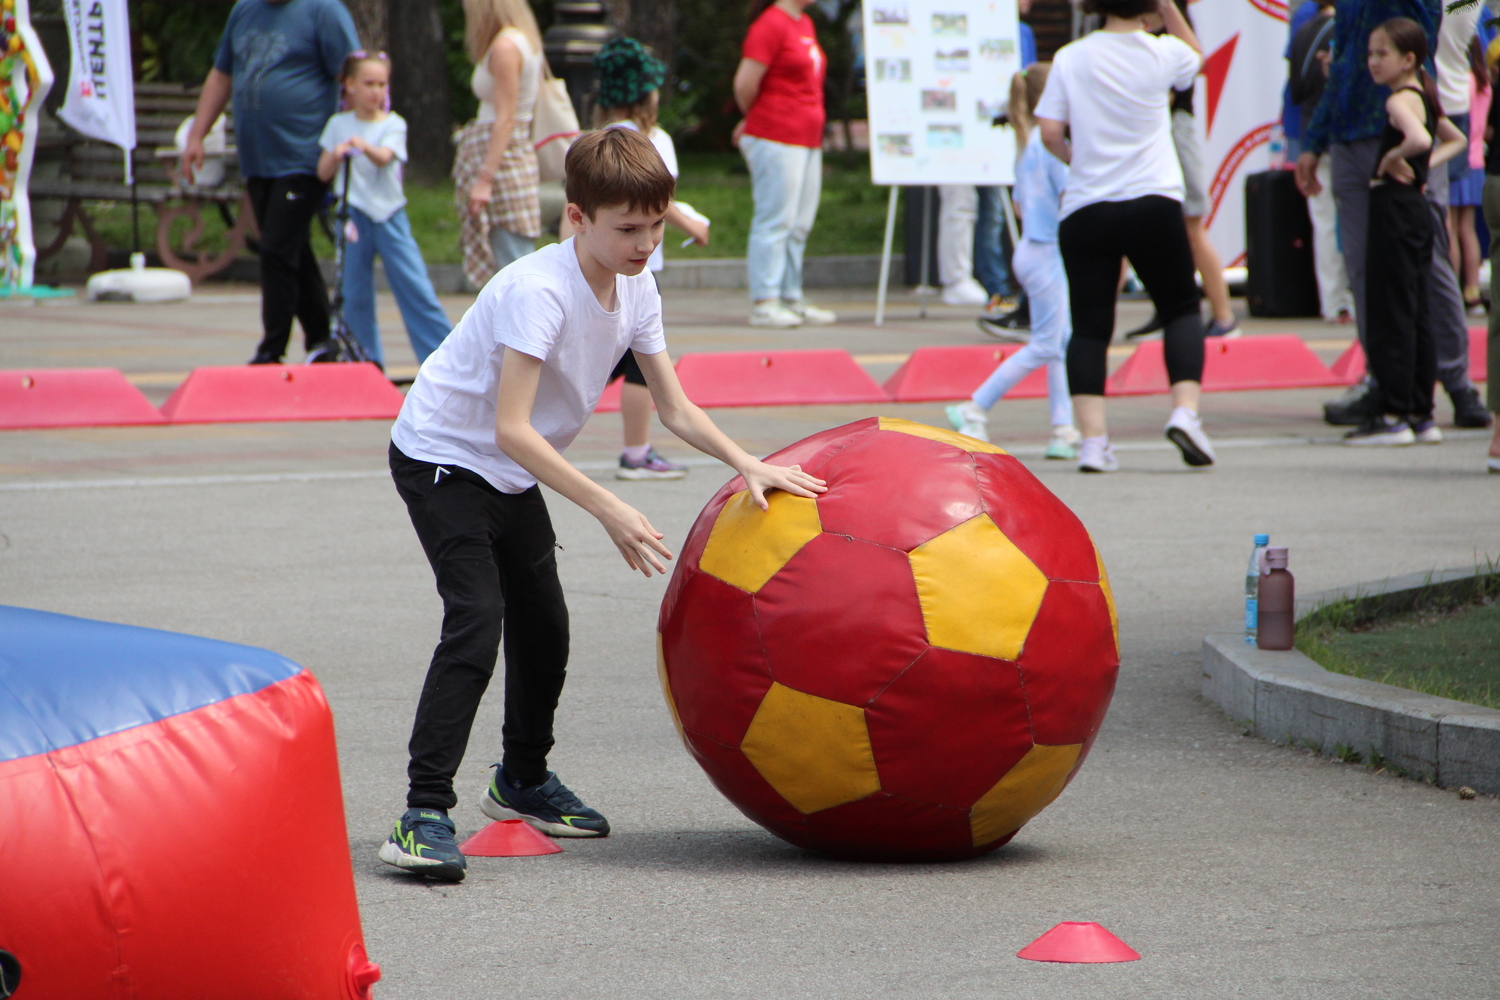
(617, 166)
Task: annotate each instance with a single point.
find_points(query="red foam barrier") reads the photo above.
(1350, 366)
(71, 397)
(776, 378)
(1277, 361)
(939, 373)
(1078, 941)
(284, 392)
(509, 838)
(610, 401)
(1479, 354)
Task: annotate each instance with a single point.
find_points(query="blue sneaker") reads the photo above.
(550, 807)
(422, 843)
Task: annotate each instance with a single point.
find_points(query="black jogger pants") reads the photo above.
(1399, 346)
(290, 282)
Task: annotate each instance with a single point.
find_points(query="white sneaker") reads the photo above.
(1426, 432)
(810, 314)
(1064, 443)
(1382, 431)
(965, 292)
(1097, 455)
(967, 418)
(773, 313)
(1185, 430)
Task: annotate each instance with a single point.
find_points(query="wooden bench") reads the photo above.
(91, 170)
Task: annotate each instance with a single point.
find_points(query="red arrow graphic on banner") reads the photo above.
(1215, 72)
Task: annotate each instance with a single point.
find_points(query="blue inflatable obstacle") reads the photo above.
(171, 819)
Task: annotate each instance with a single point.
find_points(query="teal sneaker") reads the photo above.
(422, 843)
(550, 807)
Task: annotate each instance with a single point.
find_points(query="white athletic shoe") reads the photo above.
(1185, 430)
(772, 313)
(810, 314)
(969, 419)
(965, 292)
(1097, 455)
(1426, 432)
(1064, 443)
(1382, 431)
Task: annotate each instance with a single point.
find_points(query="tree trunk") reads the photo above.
(419, 85)
(370, 22)
(654, 24)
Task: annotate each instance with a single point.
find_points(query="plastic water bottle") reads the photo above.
(1252, 586)
(1278, 148)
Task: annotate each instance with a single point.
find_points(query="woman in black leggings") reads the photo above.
(1105, 114)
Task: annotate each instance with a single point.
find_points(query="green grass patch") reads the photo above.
(851, 214)
(1448, 649)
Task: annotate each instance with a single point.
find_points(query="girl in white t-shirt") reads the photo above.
(372, 138)
(629, 89)
(1104, 113)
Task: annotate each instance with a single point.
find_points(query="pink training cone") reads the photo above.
(1078, 941)
(508, 838)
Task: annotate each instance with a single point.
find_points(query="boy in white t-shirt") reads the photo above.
(486, 420)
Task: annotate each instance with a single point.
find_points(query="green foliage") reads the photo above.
(459, 68)
(175, 42)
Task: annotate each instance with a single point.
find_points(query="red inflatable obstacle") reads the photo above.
(776, 378)
(941, 373)
(1350, 366)
(610, 401)
(284, 392)
(1479, 354)
(1277, 361)
(1078, 941)
(509, 838)
(71, 397)
(173, 811)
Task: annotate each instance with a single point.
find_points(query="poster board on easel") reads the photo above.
(937, 73)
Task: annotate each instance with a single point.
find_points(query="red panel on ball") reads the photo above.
(930, 482)
(686, 563)
(1069, 664)
(715, 664)
(886, 827)
(841, 619)
(734, 775)
(949, 727)
(812, 452)
(1041, 525)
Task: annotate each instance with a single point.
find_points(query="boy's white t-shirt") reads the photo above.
(375, 191)
(663, 143)
(542, 306)
(1112, 89)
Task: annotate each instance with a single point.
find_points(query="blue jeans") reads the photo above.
(990, 238)
(1040, 268)
(786, 182)
(426, 323)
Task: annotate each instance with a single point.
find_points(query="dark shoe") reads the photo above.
(1228, 331)
(550, 807)
(422, 843)
(1152, 325)
(1018, 318)
(995, 328)
(1354, 407)
(264, 359)
(324, 353)
(1468, 411)
(1382, 431)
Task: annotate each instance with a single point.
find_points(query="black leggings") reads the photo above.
(1151, 233)
(493, 555)
(630, 368)
(1398, 328)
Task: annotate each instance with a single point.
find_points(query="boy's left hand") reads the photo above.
(760, 477)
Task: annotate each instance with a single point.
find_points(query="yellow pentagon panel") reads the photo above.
(748, 545)
(979, 592)
(1109, 596)
(954, 438)
(1026, 790)
(666, 689)
(813, 751)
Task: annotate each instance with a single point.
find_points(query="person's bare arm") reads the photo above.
(1450, 143)
(1307, 175)
(214, 97)
(697, 230)
(379, 155)
(1176, 24)
(505, 65)
(1407, 115)
(747, 80)
(638, 542)
(1055, 138)
(683, 418)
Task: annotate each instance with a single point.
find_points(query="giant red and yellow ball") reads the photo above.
(909, 667)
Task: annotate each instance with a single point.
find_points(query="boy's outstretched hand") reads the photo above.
(633, 535)
(760, 477)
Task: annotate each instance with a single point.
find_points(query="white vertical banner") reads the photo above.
(1237, 103)
(100, 101)
(937, 72)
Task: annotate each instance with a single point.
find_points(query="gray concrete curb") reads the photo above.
(1287, 698)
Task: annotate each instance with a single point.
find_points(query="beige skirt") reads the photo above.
(514, 204)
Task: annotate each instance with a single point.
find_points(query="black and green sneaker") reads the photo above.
(550, 807)
(422, 843)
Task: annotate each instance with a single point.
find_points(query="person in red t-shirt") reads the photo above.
(779, 86)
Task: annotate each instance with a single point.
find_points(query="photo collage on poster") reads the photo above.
(938, 74)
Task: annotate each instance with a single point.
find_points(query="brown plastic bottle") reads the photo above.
(1275, 601)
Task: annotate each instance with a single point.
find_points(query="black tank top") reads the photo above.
(1393, 137)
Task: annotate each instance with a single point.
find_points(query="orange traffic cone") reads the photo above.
(1077, 941)
(508, 838)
